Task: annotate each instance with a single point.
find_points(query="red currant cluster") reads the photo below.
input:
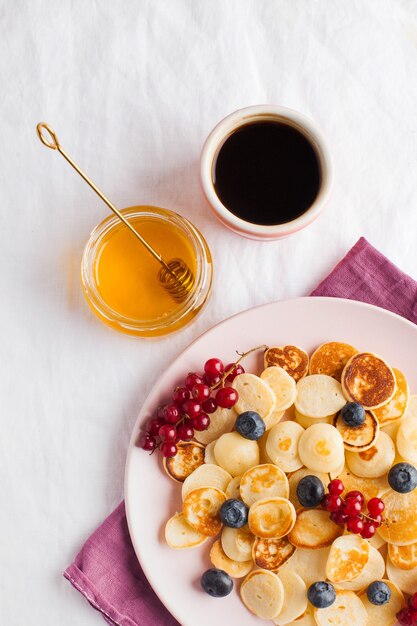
(190, 407)
(350, 510)
(408, 615)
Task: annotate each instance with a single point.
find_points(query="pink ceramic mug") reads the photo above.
(262, 113)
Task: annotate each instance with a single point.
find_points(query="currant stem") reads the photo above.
(242, 355)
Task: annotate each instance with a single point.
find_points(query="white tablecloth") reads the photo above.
(132, 88)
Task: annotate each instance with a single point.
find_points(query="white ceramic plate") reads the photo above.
(151, 497)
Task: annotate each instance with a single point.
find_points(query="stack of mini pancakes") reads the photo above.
(284, 548)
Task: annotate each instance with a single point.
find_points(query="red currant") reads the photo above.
(201, 422)
(377, 520)
(375, 506)
(404, 617)
(355, 494)
(213, 367)
(208, 380)
(238, 369)
(169, 449)
(192, 379)
(355, 524)
(352, 507)
(180, 395)
(160, 411)
(154, 426)
(185, 432)
(168, 432)
(332, 503)
(200, 392)
(336, 487)
(172, 413)
(339, 518)
(226, 397)
(368, 531)
(192, 408)
(147, 442)
(412, 601)
(209, 405)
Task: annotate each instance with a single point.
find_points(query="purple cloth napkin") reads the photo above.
(106, 570)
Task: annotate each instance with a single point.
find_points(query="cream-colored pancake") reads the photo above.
(294, 479)
(377, 542)
(221, 421)
(331, 358)
(271, 553)
(370, 487)
(190, 455)
(321, 448)
(295, 597)
(271, 517)
(368, 379)
(263, 456)
(406, 580)
(407, 439)
(404, 557)
(232, 489)
(391, 428)
(307, 619)
(385, 614)
(235, 569)
(360, 438)
(319, 396)
(283, 386)
(397, 406)
(282, 445)
(313, 528)
(346, 610)
(254, 395)
(336, 472)
(237, 543)
(179, 534)
(262, 593)
(274, 418)
(348, 557)
(235, 453)
(209, 453)
(412, 407)
(374, 462)
(292, 359)
(309, 564)
(263, 481)
(201, 509)
(207, 475)
(373, 570)
(400, 515)
(306, 421)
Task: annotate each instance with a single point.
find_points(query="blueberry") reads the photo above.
(234, 513)
(402, 477)
(310, 491)
(216, 583)
(250, 425)
(378, 593)
(353, 414)
(321, 594)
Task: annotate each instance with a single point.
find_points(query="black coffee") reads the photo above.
(267, 173)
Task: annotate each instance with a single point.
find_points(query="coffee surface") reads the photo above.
(267, 173)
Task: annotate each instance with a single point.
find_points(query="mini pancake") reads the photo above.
(262, 593)
(309, 564)
(221, 421)
(235, 569)
(406, 580)
(313, 529)
(336, 472)
(391, 429)
(321, 448)
(190, 455)
(385, 614)
(306, 619)
(400, 515)
(282, 445)
(232, 489)
(368, 379)
(412, 407)
(294, 479)
(263, 456)
(237, 543)
(207, 475)
(403, 557)
(295, 597)
(370, 487)
(179, 534)
(283, 386)
(397, 406)
(407, 439)
(263, 481)
(201, 510)
(254, 395)
(271, 553)
(209, 454)
(346, 610)
(271, 517)
(292, 359)
(377, 542)
(361, 438)
(373, 570)
(348, 557)
(319, 396)
(331, 358)
(274, 418)
(235, 453)
(374, 462)
(306, 421)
